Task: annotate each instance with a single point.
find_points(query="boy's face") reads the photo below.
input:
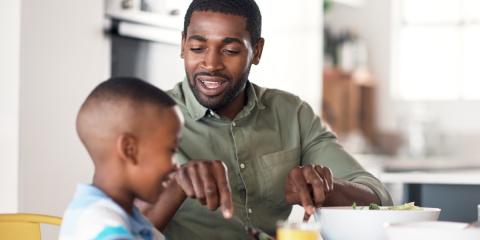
(156, 147)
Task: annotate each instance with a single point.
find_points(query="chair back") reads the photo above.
(24, 226)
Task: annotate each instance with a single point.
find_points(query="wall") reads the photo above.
(64, 54)
(292, 56)
(9, 98)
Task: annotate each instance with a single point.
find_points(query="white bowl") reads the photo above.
(345, 223)
(432, 230)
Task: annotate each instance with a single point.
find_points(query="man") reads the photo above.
(276, 150)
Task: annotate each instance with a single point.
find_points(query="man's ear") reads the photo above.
(257, 51)
(127, 148)
(182, 45)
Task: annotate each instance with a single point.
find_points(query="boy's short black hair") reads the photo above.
(130, 88)
(244, 8)
(112, 106)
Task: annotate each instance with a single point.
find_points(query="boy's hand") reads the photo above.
(207, 181)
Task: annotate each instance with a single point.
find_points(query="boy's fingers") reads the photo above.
(209, 186)
(220, 175)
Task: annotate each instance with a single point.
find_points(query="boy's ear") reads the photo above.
(127, 148)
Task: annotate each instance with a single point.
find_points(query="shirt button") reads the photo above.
(250, 210)
(242, 166)
(234, 124)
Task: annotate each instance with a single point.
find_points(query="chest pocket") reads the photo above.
(275, 168)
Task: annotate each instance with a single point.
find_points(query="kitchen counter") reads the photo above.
(450, 184)
(464, 177)
(428, 170)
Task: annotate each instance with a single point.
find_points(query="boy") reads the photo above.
(130, 129)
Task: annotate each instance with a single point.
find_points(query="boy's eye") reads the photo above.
(196, 49)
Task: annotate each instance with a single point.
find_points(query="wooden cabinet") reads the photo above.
(348, 104)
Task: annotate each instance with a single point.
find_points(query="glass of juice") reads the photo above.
(298, 231)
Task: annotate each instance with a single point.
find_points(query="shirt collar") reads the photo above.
(194, 108)
(198, 111)
(89, 190)
(252, 100)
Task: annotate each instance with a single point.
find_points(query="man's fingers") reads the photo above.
(220, 175)
(207, 181)
(327, 176)
(306, 217)
(185, 183)
(197, 183)
(290, 196)
(303, 191)
(316, 182)
(209, 186)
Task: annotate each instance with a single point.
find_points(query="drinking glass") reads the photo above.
(298, 231)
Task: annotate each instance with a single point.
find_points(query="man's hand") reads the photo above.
(207, 181)
(308, 186)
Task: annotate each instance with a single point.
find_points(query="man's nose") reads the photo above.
(213, 61)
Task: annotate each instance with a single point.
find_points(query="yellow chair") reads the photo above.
(24, 226)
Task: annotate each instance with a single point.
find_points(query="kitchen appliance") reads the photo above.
(145, 39)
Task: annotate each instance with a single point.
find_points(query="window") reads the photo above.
(438, 50)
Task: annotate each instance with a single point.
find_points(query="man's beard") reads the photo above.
(222, 100)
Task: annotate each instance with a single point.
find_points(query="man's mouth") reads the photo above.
(211, 86)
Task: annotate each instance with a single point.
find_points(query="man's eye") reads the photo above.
(231, 52)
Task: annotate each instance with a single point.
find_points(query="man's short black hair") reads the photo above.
(244, 8)
(130, 89)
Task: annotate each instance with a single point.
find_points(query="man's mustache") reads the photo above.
(211, 74)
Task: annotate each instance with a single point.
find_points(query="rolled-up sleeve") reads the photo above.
(320, 146)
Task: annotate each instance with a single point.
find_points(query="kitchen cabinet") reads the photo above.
(348, 104)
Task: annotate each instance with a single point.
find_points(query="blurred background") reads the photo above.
(397, 80)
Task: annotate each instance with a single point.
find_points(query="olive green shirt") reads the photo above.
(275, 132)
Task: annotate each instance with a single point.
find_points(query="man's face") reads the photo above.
(218, 54)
